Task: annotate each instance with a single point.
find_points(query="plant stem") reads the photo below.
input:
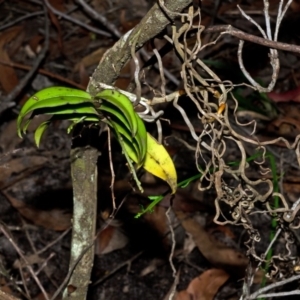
(84, 177)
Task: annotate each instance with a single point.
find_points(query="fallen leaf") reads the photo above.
(291, 95)
(125, 76)
(8, 78)
(90, 59)
(35, 43)
(18, 168)
(152, 266)
(58, 4)
(223, 229)
(30, 259)
(5, 296)
(83, 75)
(127, 24)
(285, 126)
(54, 219)
(215, 252)
(205, 286)
(56, 23)
(110, 239)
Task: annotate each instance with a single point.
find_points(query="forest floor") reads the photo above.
(132, 258)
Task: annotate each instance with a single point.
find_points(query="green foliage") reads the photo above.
(57, 101)
(121, 116)
(111, 107)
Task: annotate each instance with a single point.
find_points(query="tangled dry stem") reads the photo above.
(238, 197)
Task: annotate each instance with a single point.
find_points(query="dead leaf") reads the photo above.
(35, 43)
(127, 24)
(56, 23)
(91, 59)
(223, 229)
(54, 219)
(158, 221)
(285, 126)
(41, 296)
(125, 76)
(291, 95)
(5, 296)
(8, 139)
(152, 266)
(295, 6)
(16, 169)
(30, 260)
(8, 77)
(83, 75)
(189, 244)
(205, 286)
(110, 239)
(215, 252)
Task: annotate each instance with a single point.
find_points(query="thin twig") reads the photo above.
(172, 293)
(28, 266)
(280, 16)
(44, 72)
(113, 176)
(76, 21)
(98, 17)
(228, 29)
(274, 61)
(49, 245)
(273, 285)
(16, 21)
(161, 72)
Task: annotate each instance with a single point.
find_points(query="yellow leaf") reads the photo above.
(159, 163)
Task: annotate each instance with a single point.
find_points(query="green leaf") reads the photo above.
(155, 200)
(141, 140)
(135, 147)
(111, 110)
(50, 98)
(68, 95)
(120, 129)
(120, 114)
(82, 108)
(122, 103)
(40, 131)
(128, 143)
(127, 151)
(44, 125)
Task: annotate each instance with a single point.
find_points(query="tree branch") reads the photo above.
(228, 29)
(150, 26)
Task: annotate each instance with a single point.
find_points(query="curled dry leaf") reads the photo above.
(111, 238)
(205, 286)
